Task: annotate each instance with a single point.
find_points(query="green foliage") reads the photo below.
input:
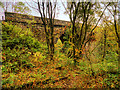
(8, 81)
(15, 59)
(17, 43)
(15, 36)
(111, 55)
(67, 45)
(20, 7)
(112, 81)
(1, 4)
(25, 60)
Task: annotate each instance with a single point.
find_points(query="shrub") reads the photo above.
(13, 36)
(17, 43)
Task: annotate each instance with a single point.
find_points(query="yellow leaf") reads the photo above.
(112, 86)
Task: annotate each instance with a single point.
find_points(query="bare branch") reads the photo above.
(51, 9)
(43, 10)
(54, 9)
(65, 8)
(96, 24)
(34, 1)
(110, 12)
(71, 14)
(39, 9)
(107, 24)
(31, 6)
(100, 18)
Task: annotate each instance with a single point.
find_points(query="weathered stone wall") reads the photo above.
(35, 23)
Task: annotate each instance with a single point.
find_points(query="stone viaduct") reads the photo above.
(35, 24)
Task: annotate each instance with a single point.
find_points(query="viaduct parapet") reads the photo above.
(36, 25)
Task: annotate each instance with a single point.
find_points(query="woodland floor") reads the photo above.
(58, 74)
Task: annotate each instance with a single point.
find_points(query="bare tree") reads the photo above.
(47, 10)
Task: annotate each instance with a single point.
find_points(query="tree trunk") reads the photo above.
(104, 45)
(52, 43)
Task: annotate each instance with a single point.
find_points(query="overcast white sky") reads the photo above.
(60, 15)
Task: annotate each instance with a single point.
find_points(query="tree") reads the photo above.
(113, 10)
(73, 9)
(17, 7)
(20, 7)
(47, 10)
(4, 6)
(83, 12)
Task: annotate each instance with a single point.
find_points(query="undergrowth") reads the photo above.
(25, 65)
